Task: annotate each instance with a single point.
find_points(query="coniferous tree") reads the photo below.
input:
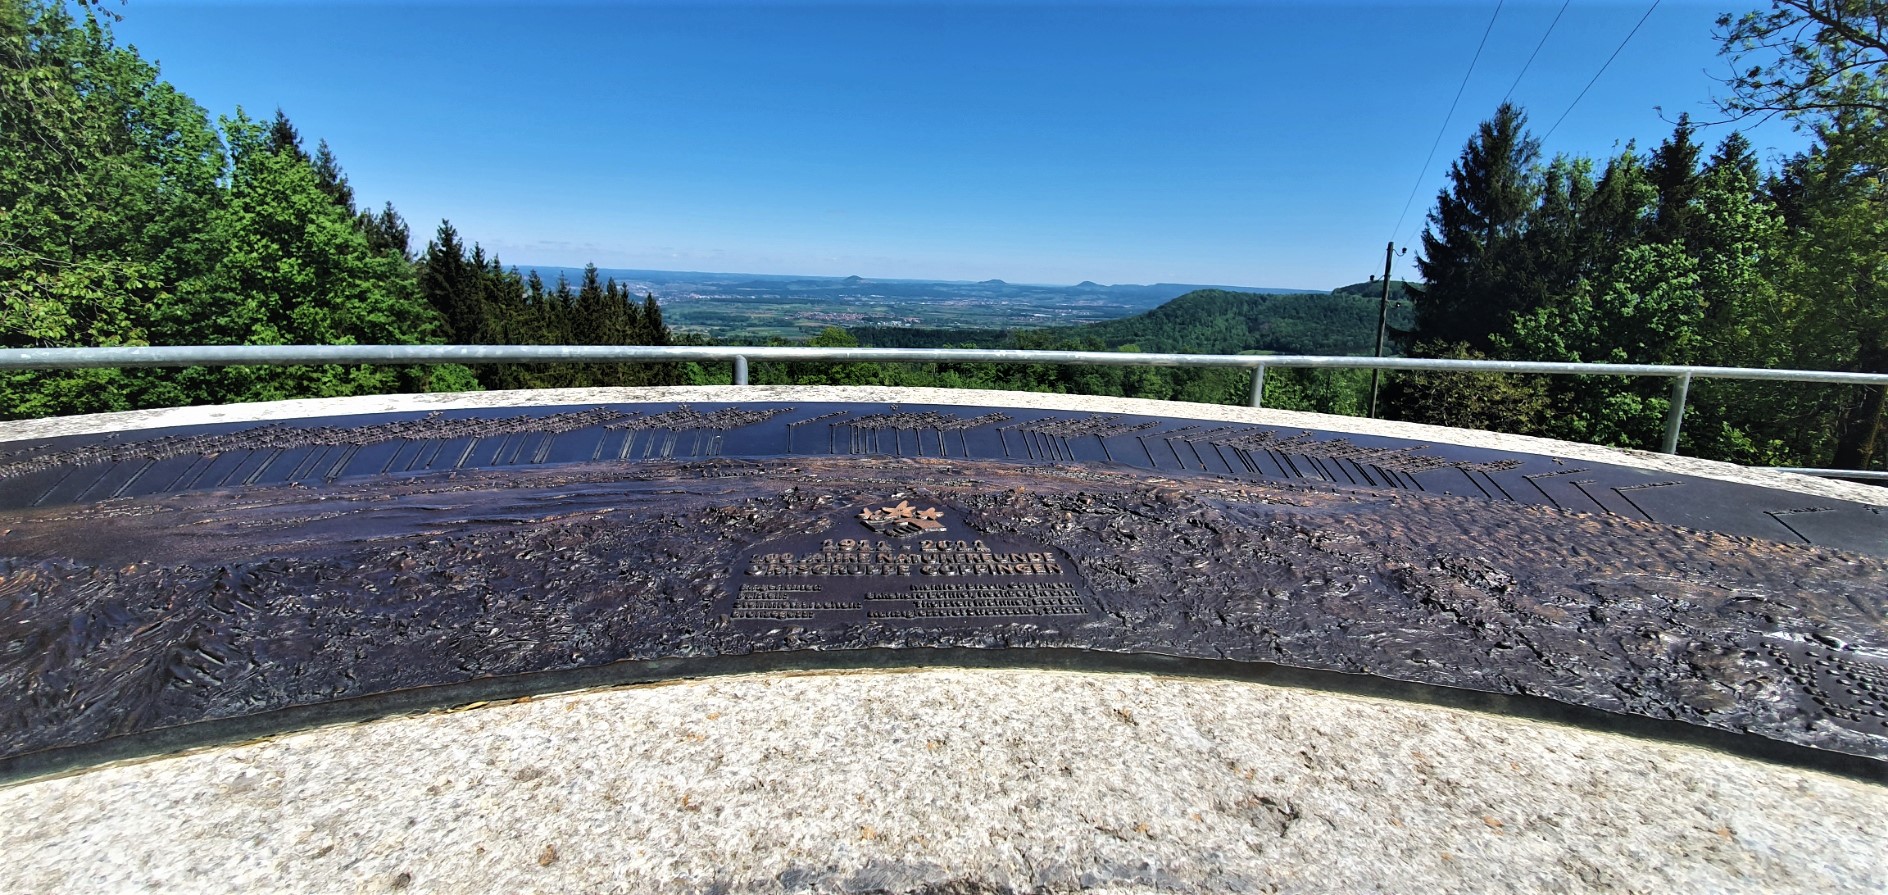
(657, 333)
(505, 296)
(283, 137)
(386, 231)
(1468, 295)
(543, 325)
(1674, 173)
(450, 284)
(593, 322)
(593, 310)
(333, 182)
(563, 299)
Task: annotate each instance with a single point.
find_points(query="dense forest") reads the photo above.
(1656, 259)
(1682, 254)
(127, 217)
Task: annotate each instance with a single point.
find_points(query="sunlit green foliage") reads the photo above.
(127, 219)
(105, 174)
(1671, 258)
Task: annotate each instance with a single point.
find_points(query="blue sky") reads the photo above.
(1259, 143)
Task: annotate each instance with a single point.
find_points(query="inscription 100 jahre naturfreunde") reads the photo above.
(928, 578)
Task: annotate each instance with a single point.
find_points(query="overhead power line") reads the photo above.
(1603, 67)
(1537, 50)
(1444, 129)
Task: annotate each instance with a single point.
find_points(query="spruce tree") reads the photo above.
(333, 182)
(503, 300)
(542, 325)
(1734, 153)
(386, 231)
(563, 299)
(283, 137)
(451, 285)
(1673, 170)
(1467, 296)
(657, 333)
(592, 323)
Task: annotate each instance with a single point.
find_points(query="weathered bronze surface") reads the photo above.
(156, 581)
(903, 562)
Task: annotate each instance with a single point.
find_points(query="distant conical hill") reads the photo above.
(1374, 289)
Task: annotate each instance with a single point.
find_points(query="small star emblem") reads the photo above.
(902, 520)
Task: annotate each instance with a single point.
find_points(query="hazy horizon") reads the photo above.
(601, 269)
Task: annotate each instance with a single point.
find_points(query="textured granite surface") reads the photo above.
(947, 782)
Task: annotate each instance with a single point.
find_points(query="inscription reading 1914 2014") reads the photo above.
(904, 563)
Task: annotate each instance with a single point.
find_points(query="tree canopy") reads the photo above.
(128, 218)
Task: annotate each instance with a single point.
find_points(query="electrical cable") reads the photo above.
(1537, 50)
(1596, 75)
(1445, 119)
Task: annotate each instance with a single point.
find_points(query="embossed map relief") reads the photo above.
(166, 588)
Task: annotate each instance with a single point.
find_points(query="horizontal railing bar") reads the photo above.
(280, 355)
(1874, 474)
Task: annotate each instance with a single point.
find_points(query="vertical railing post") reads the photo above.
(1258, 386)
(740, 369)
(1675, 414)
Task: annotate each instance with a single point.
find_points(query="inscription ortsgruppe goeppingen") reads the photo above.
(151, 581)
(904, 562)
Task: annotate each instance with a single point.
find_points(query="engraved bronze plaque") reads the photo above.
(1839, 682)
(168, 588)
(899, 562)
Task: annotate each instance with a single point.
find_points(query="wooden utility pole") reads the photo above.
(1383, 323)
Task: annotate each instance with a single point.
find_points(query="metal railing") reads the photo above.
(739, 356)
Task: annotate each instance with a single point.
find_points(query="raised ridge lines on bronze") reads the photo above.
(710, 429)
(432, 426)
(214, 605)
(865, 433)
(1053, 439)
(87, 469)
(326, 451)
(686, 417)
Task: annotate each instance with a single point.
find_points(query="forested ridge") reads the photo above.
(1205, 321)
(129, 217)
